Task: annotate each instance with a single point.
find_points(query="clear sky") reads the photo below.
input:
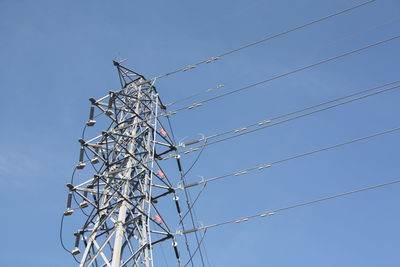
(56, 54)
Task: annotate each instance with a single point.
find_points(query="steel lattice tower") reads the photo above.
(123, 223)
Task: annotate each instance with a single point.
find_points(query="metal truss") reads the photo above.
(120, 200)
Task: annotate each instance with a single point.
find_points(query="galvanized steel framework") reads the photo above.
(123, 223)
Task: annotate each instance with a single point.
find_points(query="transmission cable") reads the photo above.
(198, 246)
(190, 211)
(267, 123)
(166, 114)
(270, 164)
(188, 201)
(180, 216)
(209, 60)
(198, 104)
(298, 55)
(61, 238)
(191, 204)
(202, 189)
(281, 75)
(269, 120)
(301, 204)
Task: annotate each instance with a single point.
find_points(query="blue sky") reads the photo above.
(57, 54)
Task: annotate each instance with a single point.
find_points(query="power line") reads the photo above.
(301, 204)
(166, 114)
(61, 238)
(298, 55)
(267, 122)
(188, 201)
(190, 209)
(270, 164)
(281, 75)
(198, 246)
(209, 60)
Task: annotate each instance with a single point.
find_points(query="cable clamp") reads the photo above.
(179, 233)
(169, 156)
(202, 180)
(190, 150)
(264, 122)
(267, 214)
(168, 114)
(195, 105)
(242, 220)
(241, 129)
(189, 67)
(212, 59)
(192, 184)
(188, 231)
(200, 225)
(265, 166)
(190, 143)
(240, 173)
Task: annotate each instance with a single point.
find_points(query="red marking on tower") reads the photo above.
(158, 218)
(161, 174)
(163, 132)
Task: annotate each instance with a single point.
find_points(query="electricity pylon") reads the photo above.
(123, 223)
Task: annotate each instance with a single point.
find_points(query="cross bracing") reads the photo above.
(123, 223)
